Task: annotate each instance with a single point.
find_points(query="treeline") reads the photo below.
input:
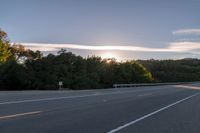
(22, 69)
(184, 70)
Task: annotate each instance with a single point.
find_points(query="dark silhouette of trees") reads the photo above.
(174, 70)
(77, 72)
(74, 71)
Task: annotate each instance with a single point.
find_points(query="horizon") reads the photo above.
(124, 30)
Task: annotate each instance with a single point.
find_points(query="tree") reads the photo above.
(21, 54)
(13, 76)
(173, 70)
(5, 52)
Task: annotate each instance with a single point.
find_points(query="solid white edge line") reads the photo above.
(150, 114)
(69, 97)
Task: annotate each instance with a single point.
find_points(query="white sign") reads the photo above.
(60, 83)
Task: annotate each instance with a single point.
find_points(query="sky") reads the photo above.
(123, 29)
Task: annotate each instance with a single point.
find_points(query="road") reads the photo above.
(153, 109)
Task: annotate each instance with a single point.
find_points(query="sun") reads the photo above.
(108, 55)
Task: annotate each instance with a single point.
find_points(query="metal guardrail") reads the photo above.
(149, 84)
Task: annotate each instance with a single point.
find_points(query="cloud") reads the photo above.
(177, 47)
(192, 48)
(184, 46)
(54, 47)
(186, 32)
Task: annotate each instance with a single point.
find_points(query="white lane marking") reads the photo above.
(104, 100)
(81, 96)
(151, 114)
(148, 94)
(18, 115)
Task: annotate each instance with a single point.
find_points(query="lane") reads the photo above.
(183, 118)
(14, 96)
(98, 114)
(13, 107)
(118, 129)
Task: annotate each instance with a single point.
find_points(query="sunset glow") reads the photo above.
(108, 55)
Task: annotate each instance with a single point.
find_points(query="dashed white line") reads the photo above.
(18, 115)
(150, 114)
(148, 94)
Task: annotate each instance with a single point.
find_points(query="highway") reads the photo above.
(150, 109)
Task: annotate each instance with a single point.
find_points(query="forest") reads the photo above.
(183, 70)
(24, 69)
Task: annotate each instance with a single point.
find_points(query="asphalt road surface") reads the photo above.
(154, 109)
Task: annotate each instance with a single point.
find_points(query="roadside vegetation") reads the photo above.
(24, 69)
(184, 70)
